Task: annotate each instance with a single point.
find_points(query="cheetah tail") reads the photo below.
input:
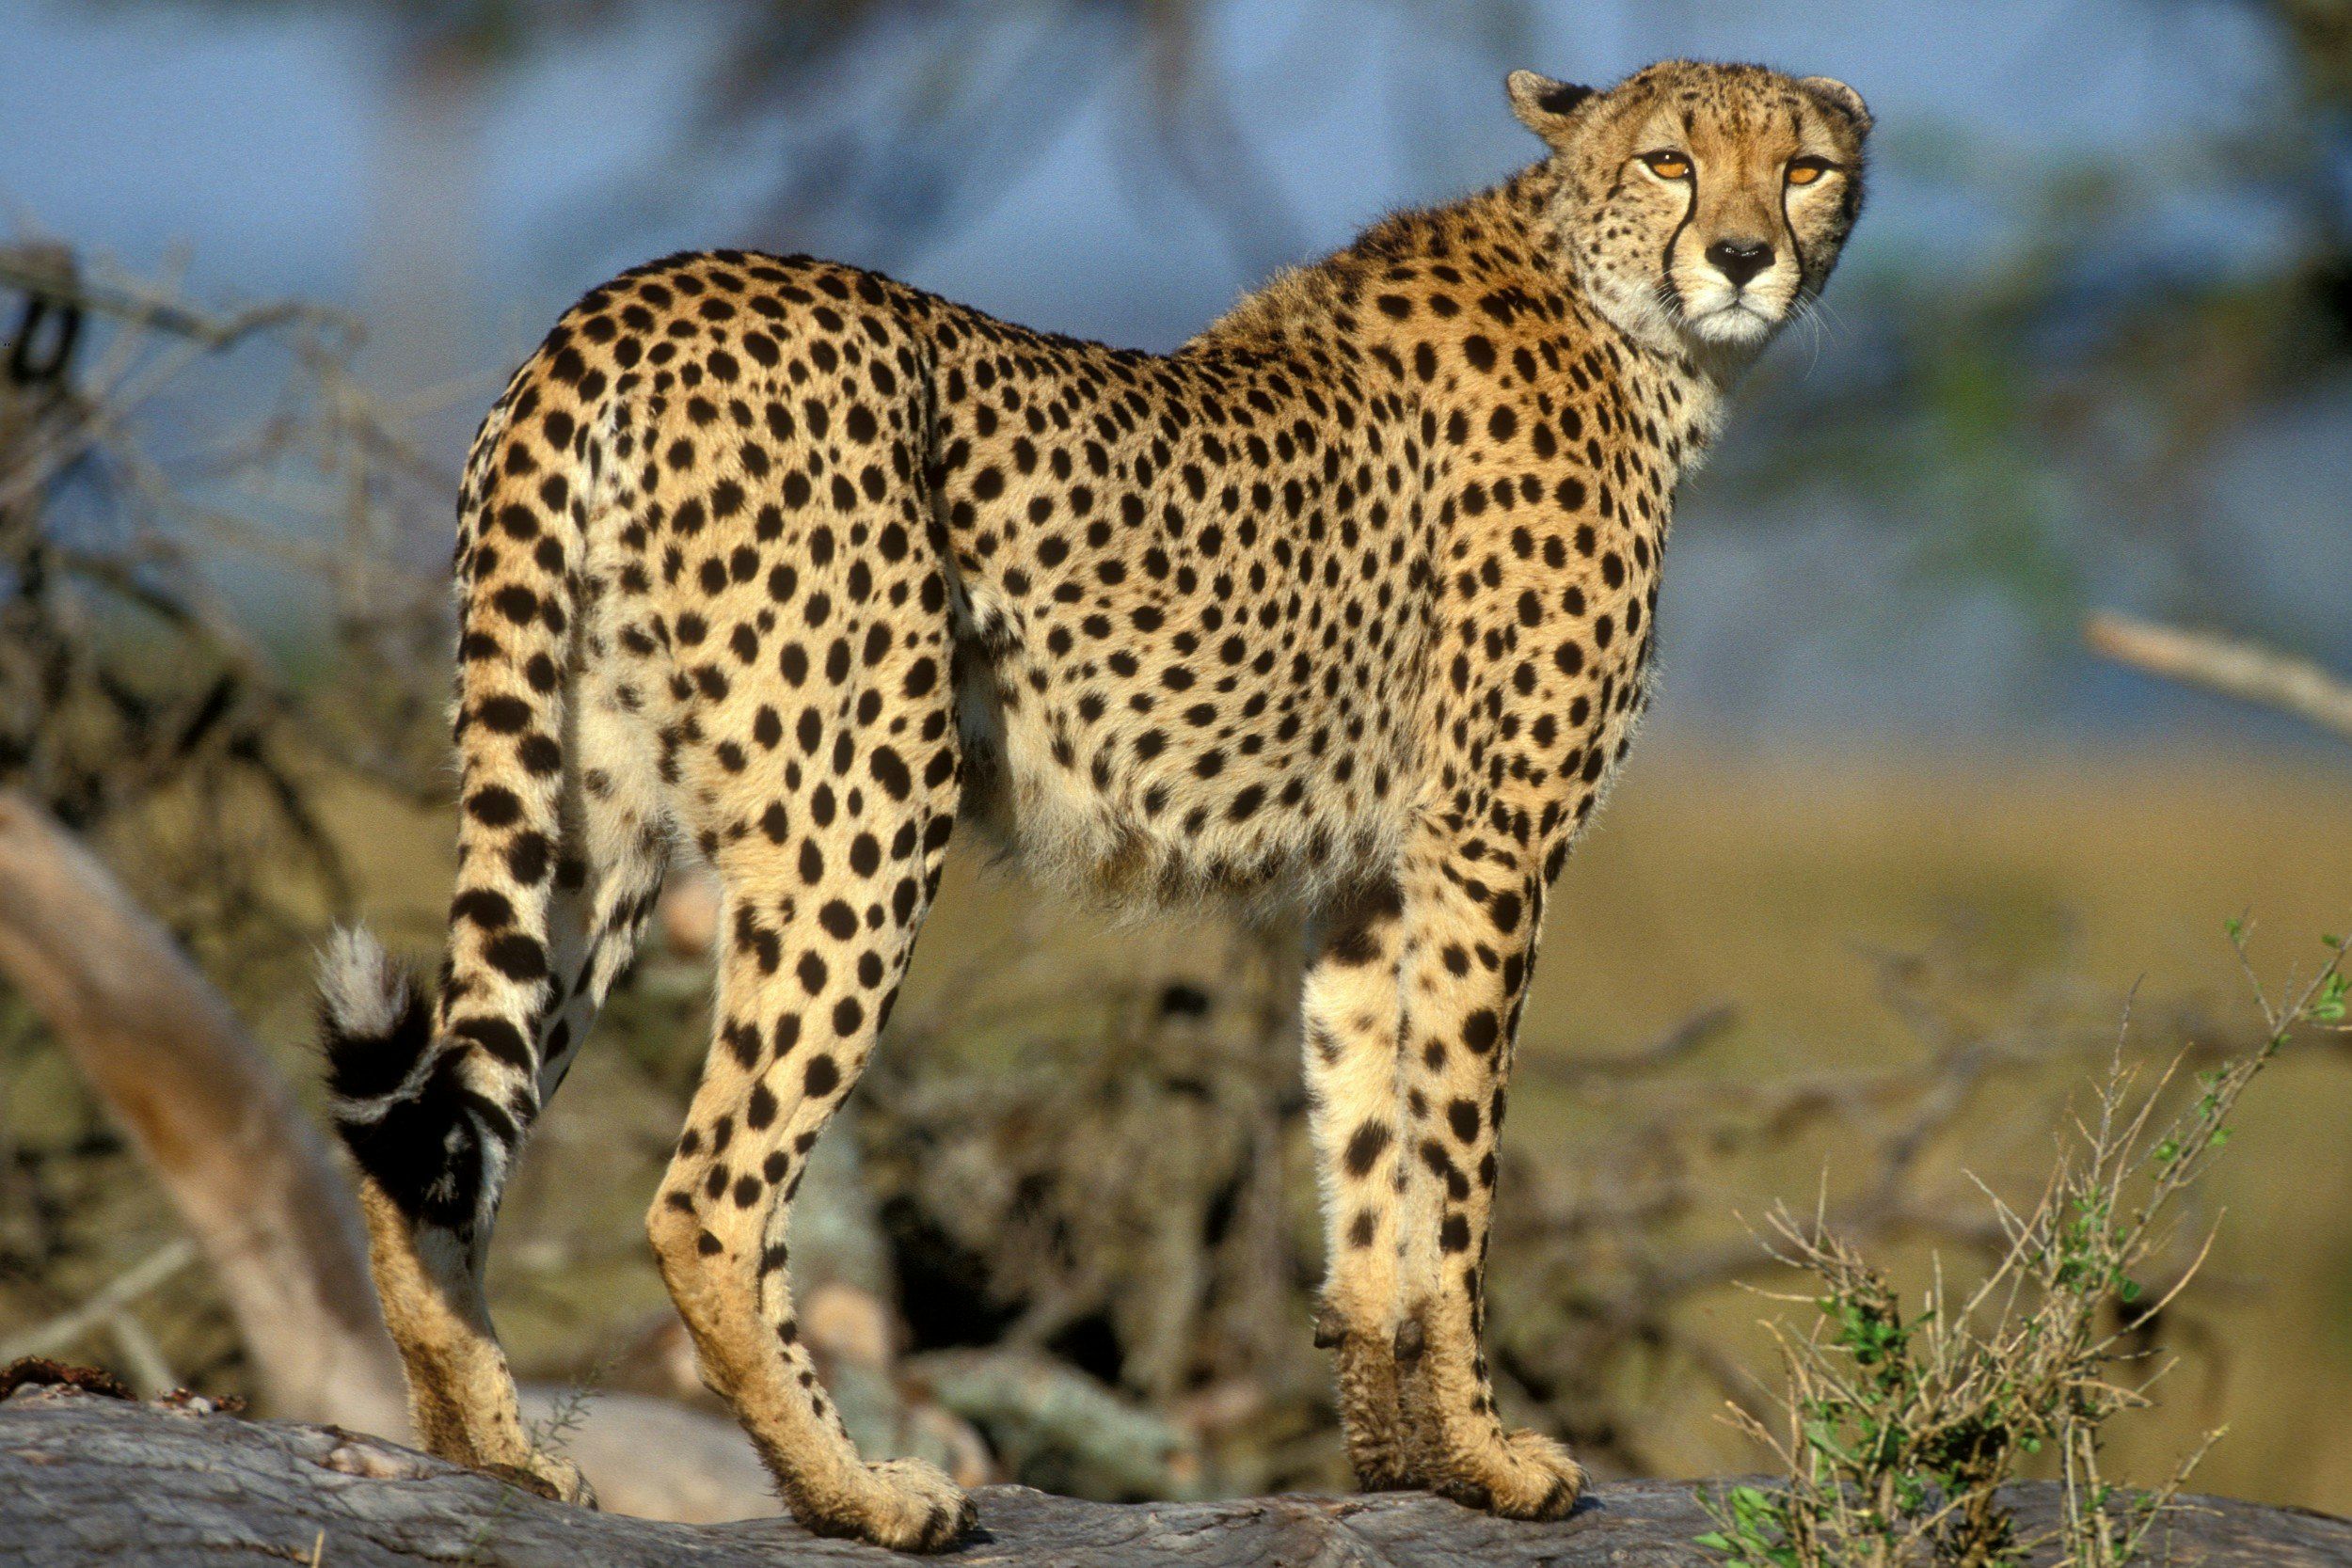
(397, 1095)
(435, 1101)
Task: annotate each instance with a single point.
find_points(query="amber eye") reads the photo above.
(1804, 171)
(1667, 166)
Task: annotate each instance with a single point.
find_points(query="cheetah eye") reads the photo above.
(1668, 165)
(1804, 171)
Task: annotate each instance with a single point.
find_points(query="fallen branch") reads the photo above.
(1034, 1404)
(2247, 671)
(88, 1479)
(216, 1122)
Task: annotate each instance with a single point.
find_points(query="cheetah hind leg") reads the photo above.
(394, 1094)
(1351, 1016)
(801, 1001)
(461, 1396)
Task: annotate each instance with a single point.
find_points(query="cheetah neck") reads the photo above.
(1506, 241)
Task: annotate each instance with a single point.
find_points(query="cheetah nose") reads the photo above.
(1740, 259)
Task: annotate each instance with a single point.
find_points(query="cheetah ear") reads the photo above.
(1546, 107)
(1838, 96)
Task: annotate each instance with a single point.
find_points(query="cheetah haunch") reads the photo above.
(1348, 602)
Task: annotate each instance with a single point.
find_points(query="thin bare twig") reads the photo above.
(2229, 665)
(26, 272)
(86, 1317)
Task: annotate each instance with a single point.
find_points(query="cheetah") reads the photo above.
(1348, 604)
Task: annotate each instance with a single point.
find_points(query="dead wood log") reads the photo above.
(90, 1479)
(219, 1127)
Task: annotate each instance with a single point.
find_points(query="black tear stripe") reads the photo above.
(1667, 264)
(1796, 250)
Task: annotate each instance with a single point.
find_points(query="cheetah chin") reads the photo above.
(1734, 324)
(1348, 604)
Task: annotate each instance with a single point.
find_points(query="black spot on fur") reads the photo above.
(484, 907)
(498, 1037)
(1364, 1147)
(518, 957)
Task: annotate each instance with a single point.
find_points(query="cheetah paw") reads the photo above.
(905, 1504)
(548, 1476)
(1524, 1475)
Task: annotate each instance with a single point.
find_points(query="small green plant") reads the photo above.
(551, 1433)
(1899, 1432)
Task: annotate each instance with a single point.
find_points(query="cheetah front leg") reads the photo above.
(1351, 1016)
(1471, 907)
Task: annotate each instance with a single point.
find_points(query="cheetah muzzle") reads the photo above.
(1348, 604)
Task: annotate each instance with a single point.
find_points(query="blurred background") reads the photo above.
(1862, 914)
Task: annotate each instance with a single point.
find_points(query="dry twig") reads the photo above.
(2227, 665)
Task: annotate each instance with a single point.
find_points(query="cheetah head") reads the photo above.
(1702, 205)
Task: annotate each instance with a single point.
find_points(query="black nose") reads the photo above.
(1740, 259)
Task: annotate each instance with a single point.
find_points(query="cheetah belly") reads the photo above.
(1138, 809)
